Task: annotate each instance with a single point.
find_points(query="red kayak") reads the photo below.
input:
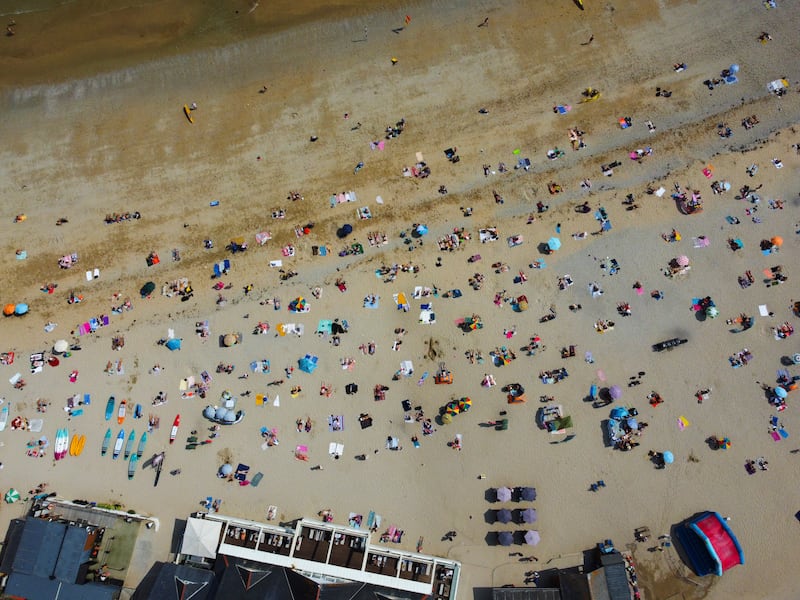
(174, 433)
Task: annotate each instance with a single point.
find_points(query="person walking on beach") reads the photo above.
(591, 39)
(485, 23)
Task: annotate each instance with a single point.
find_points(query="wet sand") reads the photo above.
(118, 141)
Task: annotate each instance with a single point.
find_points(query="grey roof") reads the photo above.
(24, 585)
(38, 548)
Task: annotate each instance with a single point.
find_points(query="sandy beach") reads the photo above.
(99, 129)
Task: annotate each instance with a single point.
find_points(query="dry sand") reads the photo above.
(117, 141)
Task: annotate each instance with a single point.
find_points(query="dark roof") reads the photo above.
(23, 585)
(38, 549)
(180, 582)
(616, 576)
(574, 586)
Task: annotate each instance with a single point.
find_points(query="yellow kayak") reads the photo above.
(81, 443)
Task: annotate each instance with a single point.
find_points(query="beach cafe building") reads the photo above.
(323, 553)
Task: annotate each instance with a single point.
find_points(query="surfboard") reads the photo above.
(110, 408)
(121, 411)
(3, 417)
(106, 442)
(174, 433)
(142, 444)
(118, 444)
(129, 445)
(188, 112)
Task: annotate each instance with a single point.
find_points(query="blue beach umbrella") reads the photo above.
(668, 457)
(781, 392)
(174, 344)
(554, 243)
(21, 309)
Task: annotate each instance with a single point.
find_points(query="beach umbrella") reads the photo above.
(528, 494)
(532, 537)
(632, 423)
(505, 538)
(529, 515)
(668, 457)
(796, 358)
(465, 404)
(777, 241)
(220, 412)
(503, 494)
(781, 392)
(344, 231)
(60, 346)
(230, 416)
(734, 68)
(712, 312)
(615, 392)
(208, 412)
(421, 230)
(554, 243)
(12, 496)
(8, 309)
(682, 260)
(174, 344)
(226, 469)
(21, 309)
(147, 289)
(503, 515)
(447, 418)
(307, 364)
(229, 340)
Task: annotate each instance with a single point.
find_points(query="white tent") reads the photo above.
(201, 538)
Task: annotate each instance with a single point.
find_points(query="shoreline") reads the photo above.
(119, 142)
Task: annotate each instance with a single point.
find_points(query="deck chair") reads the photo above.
(260, 399)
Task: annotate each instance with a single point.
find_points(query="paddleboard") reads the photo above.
(81, 444)
(118, 444)
(129, 445)
(142, 444)
(137, 411)
(132, 466)
(188, 112)
(106, 442)
(174, 433)
(121, 412)
(110, 408)
(3, 417)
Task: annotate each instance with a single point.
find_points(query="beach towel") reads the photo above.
(775, 436)
(763, 310)
(325, 326)
(336, 423)
(563, 109)
(683, 423)
(335, 449)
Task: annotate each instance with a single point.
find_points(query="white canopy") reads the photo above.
(201, 538)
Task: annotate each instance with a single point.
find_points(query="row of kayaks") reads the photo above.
(122, 410)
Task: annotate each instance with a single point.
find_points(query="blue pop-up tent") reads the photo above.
(308, 363)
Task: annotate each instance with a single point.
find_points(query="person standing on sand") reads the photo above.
(485, 23)
(591, 39)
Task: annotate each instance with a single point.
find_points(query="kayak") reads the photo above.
(62, 444)
(118, 444)
(174, 433)
(129, 445)
(110, 408)
(142, 443)
(132, 466)
(73, 445)
(121, 411)
(80, 445)
(106, 442)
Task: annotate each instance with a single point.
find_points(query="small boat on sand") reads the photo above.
(132, 466)
(121, 412)
(174, 433)
(106, 442)
(118, 444)
(129, 445)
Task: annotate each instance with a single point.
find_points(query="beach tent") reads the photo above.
(201, 537)
(174, 344)
(60, 346)
(709, 544)
(21, 309)
(344, 231)
(147, 289)
(8, 310)
(420, 230)
(308, 363)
